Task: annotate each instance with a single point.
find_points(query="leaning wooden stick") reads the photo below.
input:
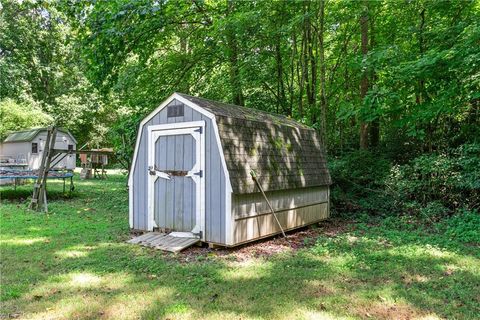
(254, 177)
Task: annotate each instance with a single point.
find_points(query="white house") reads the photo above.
(24, 149)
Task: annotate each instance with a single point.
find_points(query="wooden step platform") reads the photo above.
(173, 242)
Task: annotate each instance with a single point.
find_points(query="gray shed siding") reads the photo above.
(294, 208)
(215, 180)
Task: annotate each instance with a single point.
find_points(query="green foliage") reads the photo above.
(123, 135)
(358, 178)
(359, 170)
(17, 116)
(463, 226)
(450, 178)
(429, 187)
(41, 66)
(98, 67)
(89, 63)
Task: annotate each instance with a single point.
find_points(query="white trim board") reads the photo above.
(176, 126)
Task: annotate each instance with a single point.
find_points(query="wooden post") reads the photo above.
(39, 197)
(254, 177)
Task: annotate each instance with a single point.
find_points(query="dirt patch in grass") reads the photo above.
(387, 312)
(265, 248)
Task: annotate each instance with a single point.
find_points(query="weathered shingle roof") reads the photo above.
(30, 134)
(284, 154)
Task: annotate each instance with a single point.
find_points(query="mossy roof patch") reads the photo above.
(283, 153)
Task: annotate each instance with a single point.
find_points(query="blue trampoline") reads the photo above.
(16, 174)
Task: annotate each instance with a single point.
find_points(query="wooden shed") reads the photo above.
(191, 172)
(25, 148)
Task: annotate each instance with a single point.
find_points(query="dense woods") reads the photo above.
(393, 87)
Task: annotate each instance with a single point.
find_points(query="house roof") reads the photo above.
(30, 134)
(284, 153)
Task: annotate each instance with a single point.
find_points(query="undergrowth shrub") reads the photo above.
(358, 179)
(430, 186)
(438, 183)
(464, 226)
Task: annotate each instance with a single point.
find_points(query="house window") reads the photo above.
(70, 147)
(34, 147)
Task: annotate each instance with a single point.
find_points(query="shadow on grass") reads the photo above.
(341, 276)
(21, 195)
(75, 264)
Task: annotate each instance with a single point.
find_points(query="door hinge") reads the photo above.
(199, 173)
(200, 129)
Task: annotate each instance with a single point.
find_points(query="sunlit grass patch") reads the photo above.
(23, 241)
(70, 307)
(321, 315)
(84, 280)
(72, 253)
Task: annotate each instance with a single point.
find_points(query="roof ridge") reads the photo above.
(248, 109)
(29, 134)
(26, 130)
(38, 128)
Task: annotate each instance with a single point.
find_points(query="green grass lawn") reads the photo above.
(73, 263)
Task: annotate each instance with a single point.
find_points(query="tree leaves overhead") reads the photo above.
(94, 65)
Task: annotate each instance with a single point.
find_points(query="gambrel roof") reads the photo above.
(284, 153)
(30, 134)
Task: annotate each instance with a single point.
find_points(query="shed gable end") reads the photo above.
(216, 180)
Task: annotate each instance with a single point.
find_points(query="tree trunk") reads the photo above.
(309, 64)
(295, 58)
(419, 96)
(301, 79)
(323, 96)
(291, 82)
(184, 85)
(364, 80)
(281, 95)
(306, 60)
(375, 124)
(235, 81)
(280, 84)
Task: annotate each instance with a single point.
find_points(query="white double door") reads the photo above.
(176, 177)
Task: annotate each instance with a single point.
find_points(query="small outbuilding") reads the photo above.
(24, 149)
(191, 172)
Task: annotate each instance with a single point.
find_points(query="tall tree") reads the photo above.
(40, 68)
(323, 70)
(374, 126)
(364, 79)
(235, 80)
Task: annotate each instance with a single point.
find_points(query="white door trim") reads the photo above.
(179, 125)
(197, 130)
